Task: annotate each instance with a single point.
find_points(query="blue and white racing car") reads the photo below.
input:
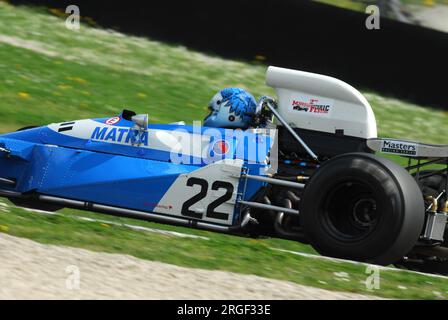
(300, 167)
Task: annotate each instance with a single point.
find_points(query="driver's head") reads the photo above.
(231, 108)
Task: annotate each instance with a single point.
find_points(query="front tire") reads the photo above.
(362, 207)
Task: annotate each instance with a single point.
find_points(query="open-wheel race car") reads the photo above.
(304, 169)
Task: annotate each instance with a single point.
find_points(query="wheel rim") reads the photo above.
(351, 211)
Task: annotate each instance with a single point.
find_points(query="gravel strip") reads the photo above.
(30, 270)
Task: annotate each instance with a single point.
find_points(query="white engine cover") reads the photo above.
(321, 103)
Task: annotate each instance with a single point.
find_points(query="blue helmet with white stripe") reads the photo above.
(231, 108)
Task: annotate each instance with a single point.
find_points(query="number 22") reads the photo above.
(211, 213)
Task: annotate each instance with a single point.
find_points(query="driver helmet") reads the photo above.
(231, 108)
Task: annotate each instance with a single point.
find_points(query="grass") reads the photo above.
(67, 75)
(347, 4)
(360, 5)
(51, 74)
(425, 2)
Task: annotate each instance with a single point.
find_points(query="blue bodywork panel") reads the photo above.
(114, 164)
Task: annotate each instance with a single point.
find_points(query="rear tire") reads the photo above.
(362, 207)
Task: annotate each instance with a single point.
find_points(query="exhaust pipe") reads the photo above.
(268, 207)
(278, 182)
(441, 252)
(8, 182)
(278, 224)
(128, 213)
(142, 215)
(12, 194)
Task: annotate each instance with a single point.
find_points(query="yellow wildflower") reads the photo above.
(77, 79)
(57, 12)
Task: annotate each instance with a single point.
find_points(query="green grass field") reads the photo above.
(50, 74)
(360, 5)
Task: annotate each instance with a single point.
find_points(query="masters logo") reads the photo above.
(399, 147)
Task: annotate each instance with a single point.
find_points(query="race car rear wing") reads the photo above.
(409, 149)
